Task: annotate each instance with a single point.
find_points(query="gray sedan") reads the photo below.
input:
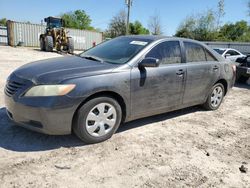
(120, 80)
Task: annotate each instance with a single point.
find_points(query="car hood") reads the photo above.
(56, 70)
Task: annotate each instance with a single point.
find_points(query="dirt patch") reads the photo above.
(185, 148)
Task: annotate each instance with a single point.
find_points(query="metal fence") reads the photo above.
(243, 47)
(3, 35)
(28, 35)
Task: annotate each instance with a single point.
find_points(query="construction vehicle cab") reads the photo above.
(53, 22)
(55, 36)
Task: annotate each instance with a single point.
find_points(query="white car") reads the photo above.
(229, 53)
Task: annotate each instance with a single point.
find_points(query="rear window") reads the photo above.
(194, 52)
(209, 56)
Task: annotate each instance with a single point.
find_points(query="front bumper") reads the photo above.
(51, 116)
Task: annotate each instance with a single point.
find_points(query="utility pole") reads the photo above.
(129, 4)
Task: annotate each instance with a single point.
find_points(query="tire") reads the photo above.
(42, 44)
(49, 43)
(242, 79)
(70, 45)
(215, 97)
(93, 124)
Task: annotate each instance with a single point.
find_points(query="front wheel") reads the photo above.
(215, 97)
(49, 43)
(97, 120)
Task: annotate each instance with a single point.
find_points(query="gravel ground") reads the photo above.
(185, 148)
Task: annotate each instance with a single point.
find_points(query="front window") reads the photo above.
(119, 50)
(167, 52)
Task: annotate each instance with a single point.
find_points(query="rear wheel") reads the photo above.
(70, 45)
(215, 97)
(49, 43)
(42, 44)
(97, 120)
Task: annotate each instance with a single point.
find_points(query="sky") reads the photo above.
(171, 12)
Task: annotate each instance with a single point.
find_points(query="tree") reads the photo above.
(234, 32)
(220, 12)
(3, 22)
(154, 25)
(117, 25)
(137, 28)
(77, 19)
(199, 27)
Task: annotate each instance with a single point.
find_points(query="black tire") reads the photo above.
(242, 79)
(42, 44)
(208, 105)
(80, 124)
(70, 45)
(49, 43)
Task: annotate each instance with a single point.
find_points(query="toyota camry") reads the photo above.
(117, 81)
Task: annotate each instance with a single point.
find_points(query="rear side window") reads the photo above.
(194, 52)
(209, 56)
(232, 52)
(167, 52)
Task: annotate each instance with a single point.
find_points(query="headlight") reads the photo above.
(49, 90)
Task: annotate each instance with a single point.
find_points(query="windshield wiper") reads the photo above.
(91, 57)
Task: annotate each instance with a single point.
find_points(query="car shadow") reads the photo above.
(54, 51)
(15, 138)
(242, 85)
(19, 139)
(157, 118)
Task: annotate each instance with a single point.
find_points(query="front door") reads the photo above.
(158, 89)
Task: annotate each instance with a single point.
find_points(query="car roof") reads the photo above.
(155, 38)
(226, 49)
(159, 37)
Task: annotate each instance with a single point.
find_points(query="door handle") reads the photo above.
(180, 72)
(215, 68)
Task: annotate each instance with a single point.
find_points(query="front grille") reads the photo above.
(12, 87)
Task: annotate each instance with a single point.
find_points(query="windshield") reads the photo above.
(220, 51)
(55, 23)
(119, 50)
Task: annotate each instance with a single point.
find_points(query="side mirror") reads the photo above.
(149, 62)
(227, 55)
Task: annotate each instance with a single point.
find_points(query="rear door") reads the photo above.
(203, 71)
(155, 90)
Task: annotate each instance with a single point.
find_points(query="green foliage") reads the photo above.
(77, 19)
(137, 28)
(234, 32)
(3, 22)
(200, 27)
(204, 27)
